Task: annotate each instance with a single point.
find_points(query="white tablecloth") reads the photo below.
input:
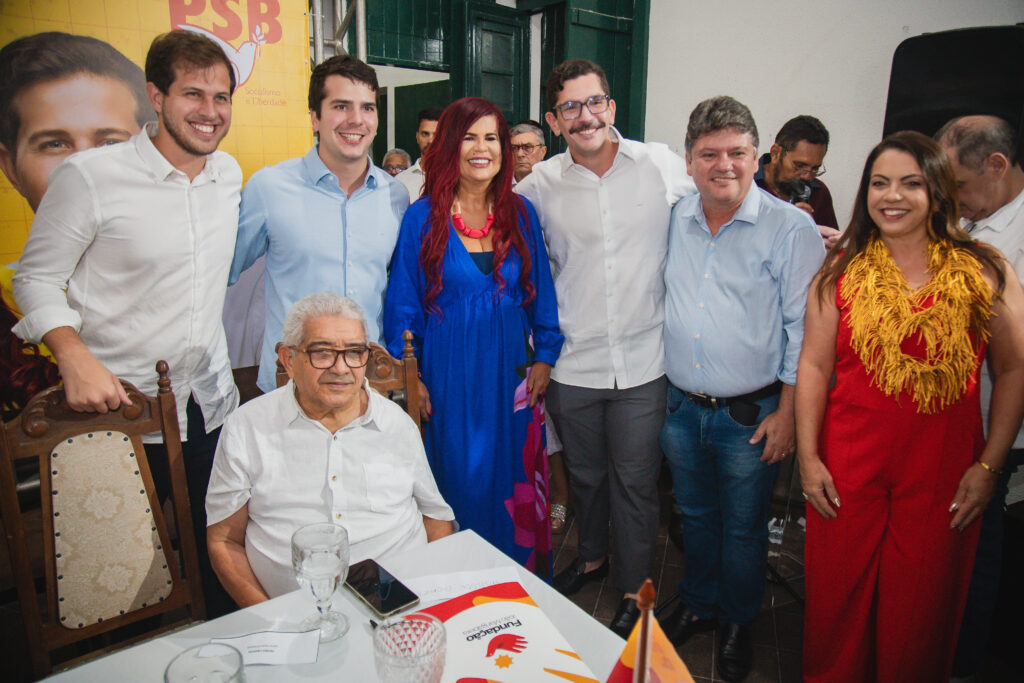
(351, 658)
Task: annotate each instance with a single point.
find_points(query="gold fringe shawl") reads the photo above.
(882, 312)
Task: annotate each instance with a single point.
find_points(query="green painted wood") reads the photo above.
(410, 33)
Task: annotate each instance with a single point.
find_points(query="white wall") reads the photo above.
(829, 58)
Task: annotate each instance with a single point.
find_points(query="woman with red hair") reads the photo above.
(470, 279)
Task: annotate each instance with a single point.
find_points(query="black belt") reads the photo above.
(705, 401)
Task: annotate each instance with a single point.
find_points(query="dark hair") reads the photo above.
(53, 56)
(976, 138)
(943, 220)
(568, 70)
(719, 113)
(346, 66)
(429, 114)
(803, 127)
(441, 171)
(185, 51)
(23, 371)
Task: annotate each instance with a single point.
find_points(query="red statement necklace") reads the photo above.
(471, 233)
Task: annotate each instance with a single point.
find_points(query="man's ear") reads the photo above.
(156, 98)
(286, 357)
(775, 152)
(998, 164)
(9, 169)
(552, 120)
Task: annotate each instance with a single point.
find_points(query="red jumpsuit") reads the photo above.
(887, 580)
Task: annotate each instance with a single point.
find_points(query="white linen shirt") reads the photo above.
(413, 179)
(1004, 230)
(144, 255)
(607, 239)
(371, 477)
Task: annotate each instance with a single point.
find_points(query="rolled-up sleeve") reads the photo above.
(64, 227)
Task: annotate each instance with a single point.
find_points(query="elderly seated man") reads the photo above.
(324, 447)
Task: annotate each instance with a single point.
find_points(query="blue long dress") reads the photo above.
(485, 445)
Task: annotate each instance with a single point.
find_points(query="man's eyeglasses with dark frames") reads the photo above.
(595, 104)
(325, 359)
(528, 148)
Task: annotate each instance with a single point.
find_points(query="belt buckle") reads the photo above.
(710, 400)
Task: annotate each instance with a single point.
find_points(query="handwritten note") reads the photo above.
(274, 647)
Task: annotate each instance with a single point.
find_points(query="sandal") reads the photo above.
(558, 514)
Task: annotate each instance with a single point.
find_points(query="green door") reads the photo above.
(490, 56)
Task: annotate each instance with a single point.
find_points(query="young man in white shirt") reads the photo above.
(605, 206)
(140, 235)
(324, 447)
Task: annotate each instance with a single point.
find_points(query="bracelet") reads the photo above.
(991, 469)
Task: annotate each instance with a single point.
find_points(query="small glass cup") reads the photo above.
(320, 559)
(209, 663)
(409, 649)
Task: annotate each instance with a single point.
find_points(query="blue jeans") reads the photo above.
(724, 492)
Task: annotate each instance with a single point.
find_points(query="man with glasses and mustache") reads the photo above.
(323, 447)
(605, 206)
(528, 147)
(792, 170)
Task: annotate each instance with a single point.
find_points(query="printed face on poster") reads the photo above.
(97, 96)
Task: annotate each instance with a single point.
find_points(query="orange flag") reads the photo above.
(649, 656)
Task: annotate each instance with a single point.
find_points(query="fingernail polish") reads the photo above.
(952, 507)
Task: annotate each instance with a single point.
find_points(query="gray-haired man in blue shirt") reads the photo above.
(739, 265)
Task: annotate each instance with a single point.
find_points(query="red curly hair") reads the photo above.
(441, 168)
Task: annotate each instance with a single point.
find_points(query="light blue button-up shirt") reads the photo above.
(735, 302)
(317, 239)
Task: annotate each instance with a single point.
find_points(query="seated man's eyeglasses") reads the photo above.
(395, 168)
(596, 104)
(528, 148)
(325, 358)
(814, 171)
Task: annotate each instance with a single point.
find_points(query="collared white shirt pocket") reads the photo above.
(387, 486)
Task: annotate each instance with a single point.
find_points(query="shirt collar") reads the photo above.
(158, 165)
(291, 411)
(1003, 216)
(625, 149)
(316, 170)
(747, 211)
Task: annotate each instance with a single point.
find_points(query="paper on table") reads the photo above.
(275, 647)
(435, 588)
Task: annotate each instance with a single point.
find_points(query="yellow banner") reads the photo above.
(267, 41)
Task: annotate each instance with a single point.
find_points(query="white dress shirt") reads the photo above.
(413, 180)
(144, 255)
(371, 477)
(1004, 230)
(607, 239)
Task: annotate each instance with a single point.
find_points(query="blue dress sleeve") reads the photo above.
(403, 302)
(543, 310)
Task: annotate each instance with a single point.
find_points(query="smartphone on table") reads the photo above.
(378, 589)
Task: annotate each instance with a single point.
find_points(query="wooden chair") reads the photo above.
(106, 548)
(387, 374)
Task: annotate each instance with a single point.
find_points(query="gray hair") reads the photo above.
(400, 152)
(318, 306)
(719, 113)
(976, 138)
(525, 127)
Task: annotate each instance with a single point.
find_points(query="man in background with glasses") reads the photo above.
(605, 206)
(324, 447)
(528, 147)
(792, 168)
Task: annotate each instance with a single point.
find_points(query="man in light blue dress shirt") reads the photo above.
(739, 265)
(327, 221)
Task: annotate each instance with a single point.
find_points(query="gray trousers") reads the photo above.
(610, 445)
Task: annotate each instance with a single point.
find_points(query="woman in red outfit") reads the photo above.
(893, 458)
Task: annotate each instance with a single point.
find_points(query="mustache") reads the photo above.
(333, 377)
(586, 126)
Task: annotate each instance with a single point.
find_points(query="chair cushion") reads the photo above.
(109, 556)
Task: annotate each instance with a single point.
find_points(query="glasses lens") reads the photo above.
(571, 110)
(523, 148)
(357, 357)
(597, 104)
(322, 359)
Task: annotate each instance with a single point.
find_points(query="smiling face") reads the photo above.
(61, 117)
(897, 197)
(335, 391)
(195, 113)
(722, 164)
(587, 135)
(346, 122)
(480, 154)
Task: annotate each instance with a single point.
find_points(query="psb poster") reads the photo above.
(267, 42)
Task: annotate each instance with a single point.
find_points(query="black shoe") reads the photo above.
(675, 528)
(572, 578)
(683, 623)
(625, 617)
(735, 653)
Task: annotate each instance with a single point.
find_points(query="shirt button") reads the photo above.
(706, 276)
(701, 305)
(337, 515)
(334, 438)
(334, 477)
(697, 366)
(711, 243)
(696, 336)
